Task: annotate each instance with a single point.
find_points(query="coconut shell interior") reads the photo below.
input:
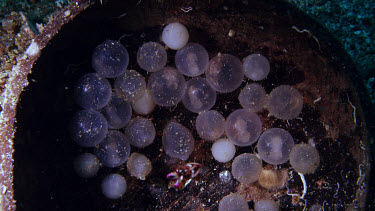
(333, 115)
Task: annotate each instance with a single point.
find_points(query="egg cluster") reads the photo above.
(108, 106)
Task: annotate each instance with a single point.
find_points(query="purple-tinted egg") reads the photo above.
(86, 165)
(256, 67)
(114, 186)
(225, 73)
(233, 202)
(131, 85)
(140, 131)
(167, 87)
(304, 158)
(178, 142)
(117, 112)
(88, 128)
(253, 97)
(110, 59)
(199, 96)
(152, 56)
(114, 150)
(210, 125)
(192, 60)
(92, 91)
(243, 127)
(274, 146)
(285, 102)
(246, 168)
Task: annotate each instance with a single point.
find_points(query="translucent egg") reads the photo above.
(175, 36)
(139, 165)
(199, 96)
(246, 168)
(178, 142)
(233, 202)
(243, 127)
(304, 158)
(274, 146)
(223, 150)
(131, 85)
(167, 87)
(140, 131)
(86, 165)
(114, 150)
(88, 128)
(266, 204)
(316, 207)
(152, 56)
(114, 186)
(210, 125)
(192, 60)
(252, 97)
(285, 102)
(225, 73)
(92, 91)
(117, 112)
(110, 59)
(256, 67)
(144, 105)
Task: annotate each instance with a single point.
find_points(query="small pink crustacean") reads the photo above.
(183, 175)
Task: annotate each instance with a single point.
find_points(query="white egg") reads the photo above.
(223, 150)
(114, 186)
(175, 36)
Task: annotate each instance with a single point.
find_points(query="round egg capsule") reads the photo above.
(285, 102)
(114, 150)
(114, 186)
(178, 142)
(175, 36)
(199, 96)
(266, 204)
(272, 179)
(131, 86)
(256, 67)
(88, 128)
(252, 97)
(274, 146)
(316, 207)
(92, 91)
(86, 165)
(223, 150)
(210, 125)
(243, 127)
(140, 131)
(110, 59)
(117, 112)
(233, 202)
(192, 60)
(246, 168)
(152, 56)
(304, 158)
(139, 165)
(167, 87)
(144, 105)
(225, 73)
